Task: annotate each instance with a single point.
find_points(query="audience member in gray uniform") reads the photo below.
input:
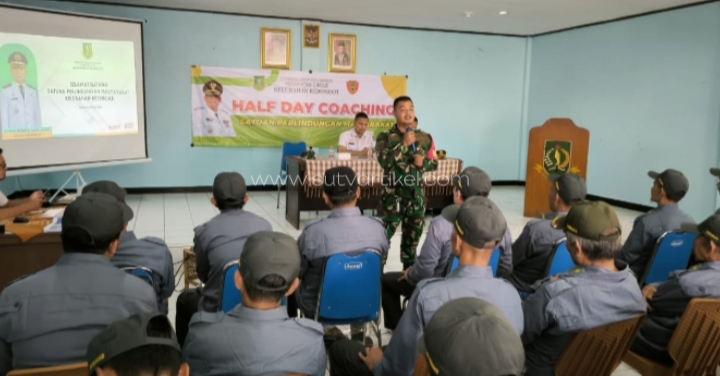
(345, 230)
(220, 240)
(668, 189)
(531, 250)
(600, 291)
(141, 345)
(150, 252)
(471, 337)
(257, 337)
(436, 250)
(716, 173)
(48, 318)
(667, 301)
(478, 227)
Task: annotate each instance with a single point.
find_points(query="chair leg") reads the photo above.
(278, 196)
(378, 333)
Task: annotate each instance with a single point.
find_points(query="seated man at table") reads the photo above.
(667, 301)
(358, 141)
(48, 318)
(150, 252)
(345, 230)
(12, 208)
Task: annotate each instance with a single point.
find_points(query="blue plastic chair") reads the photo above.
(559, 260)
(229, 294)
(143, 273)
(672, 252)
(289, 149)
(494, 261)
(350, 290)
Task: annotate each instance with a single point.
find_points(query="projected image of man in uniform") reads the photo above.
(210, 120)
(19, 104)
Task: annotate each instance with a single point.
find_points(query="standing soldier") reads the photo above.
(402, 152)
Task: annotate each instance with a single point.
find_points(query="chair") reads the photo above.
(350, 290)
(141, 272)
(607, 344)
(494, 261)
(230, 296)
(190, 269)
(672, 252)
(76, 369)
(559, 260)
(421, 366)
(289, 149)
(694, 347)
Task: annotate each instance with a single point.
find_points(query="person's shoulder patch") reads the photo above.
(310, 324)
(428, 281)
(30, 86)
(206, 317)
(313, 223)
(18, 280)
(7, 86)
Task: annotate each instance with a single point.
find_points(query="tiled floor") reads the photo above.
(173, 216)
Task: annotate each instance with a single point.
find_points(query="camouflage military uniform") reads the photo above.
(402, 185)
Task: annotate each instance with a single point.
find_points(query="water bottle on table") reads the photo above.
(331, 152)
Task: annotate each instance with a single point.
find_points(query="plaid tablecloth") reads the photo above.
(370, 175)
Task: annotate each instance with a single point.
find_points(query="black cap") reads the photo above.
(129, 334)
(672, 181)
(111, 188)
(592, 220)
(715, 172)
(213, 88)
(477, 221)
(266, 253)
(471, 337)
(472, 181)
(98, 214)
(340, 182)
(570, 187)
(229, 188)
(710, 228)
(17, 58)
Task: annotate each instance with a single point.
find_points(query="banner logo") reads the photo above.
(352, 86)
(259, 83)
(87, 50)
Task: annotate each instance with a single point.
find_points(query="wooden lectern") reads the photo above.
(557, 147)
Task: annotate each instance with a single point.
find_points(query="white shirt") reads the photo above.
(207, 123)
(352, 142)
(18, 111)
(3, 200)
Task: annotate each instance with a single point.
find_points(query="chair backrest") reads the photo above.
(76, 369)
(695, 345)
(141, 272)
(672, 252)
(290, 149)
(559, 260)
(494, 262)
(421, 366)
(229, 294)
(350, 288)
(608, 344)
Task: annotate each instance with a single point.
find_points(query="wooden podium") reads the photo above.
(557, 147)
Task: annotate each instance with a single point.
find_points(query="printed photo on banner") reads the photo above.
(275, 48)
(311, 36)
(341, 53)
(19, 103)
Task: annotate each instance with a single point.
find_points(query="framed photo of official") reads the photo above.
(311, 36)
(274, 48)
(342, 51)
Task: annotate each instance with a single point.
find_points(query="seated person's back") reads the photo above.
(345, 230)
(599, 292)
(220, 240)
(49, 318)
(668, 189)
(531, 251)
(257, 337)
(669, 300)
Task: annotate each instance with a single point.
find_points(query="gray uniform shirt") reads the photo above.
(430, 294)
(531, 251)
(152, 253)
(579, 300)
(436, 251)
(345, 230)
(251, 342)
(647, 228)
(218, 242)
(49, 318)
(671, 299)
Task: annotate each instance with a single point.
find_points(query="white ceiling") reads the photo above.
(525, 17)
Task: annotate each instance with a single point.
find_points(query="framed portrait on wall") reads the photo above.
(342, 50)
(274, 48)
(311, 36)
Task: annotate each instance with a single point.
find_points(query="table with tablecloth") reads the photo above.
(305, 181)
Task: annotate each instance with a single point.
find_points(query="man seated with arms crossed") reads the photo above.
(142, 345)
(667, 301)
(669, 187)
(532, 249)
(471, 337)
(345, 230)
(436, 251)
(257, 337)
(358, 141)
(478, 227)
(150, 252)
(48, 318)
(600, 291)
(12, 208)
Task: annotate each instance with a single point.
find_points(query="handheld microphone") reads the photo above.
(408, 130)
